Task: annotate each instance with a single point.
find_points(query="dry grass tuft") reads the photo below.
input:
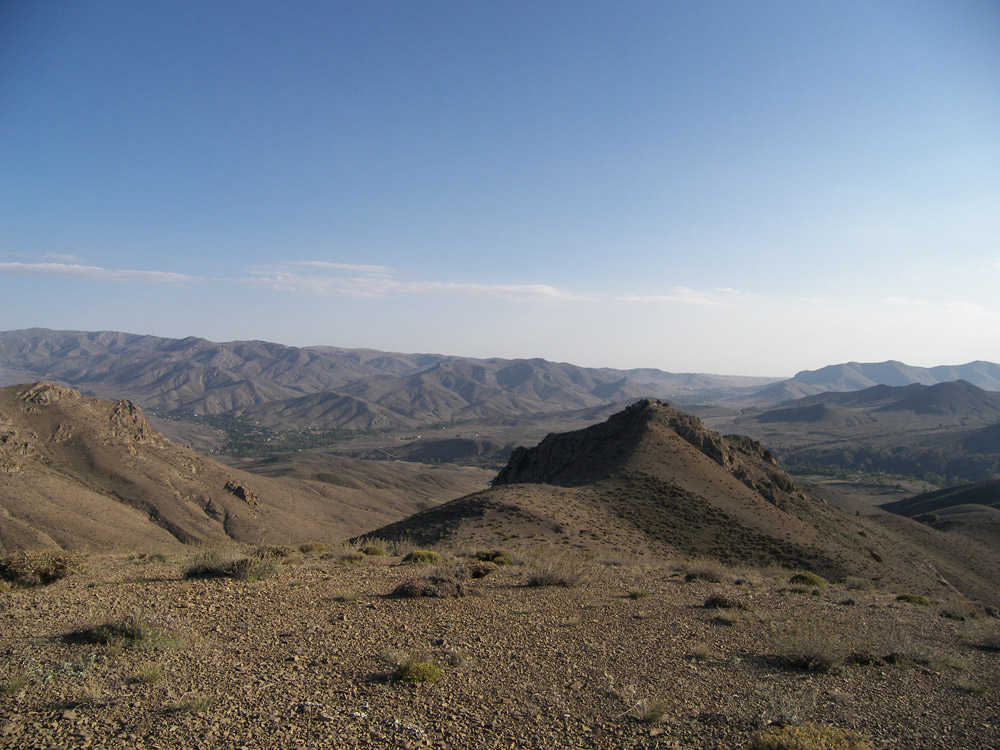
(232, 561)
(807, 737)
(133, 631)
(649, 711)
(810, 645)
(917, 599)
(559, 569)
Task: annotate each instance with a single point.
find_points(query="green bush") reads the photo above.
(372, 549)
(310, 547)
(412, 670)
(807, 737)
(39, 567)
(421, 556)
(135, 631)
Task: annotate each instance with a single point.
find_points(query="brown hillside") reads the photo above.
(79, 472)
(652, 478)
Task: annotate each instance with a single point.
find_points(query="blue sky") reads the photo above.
(733, 187)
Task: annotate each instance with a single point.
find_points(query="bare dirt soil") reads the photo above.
(628, 657)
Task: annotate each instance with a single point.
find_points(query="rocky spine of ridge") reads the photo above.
(604, 449)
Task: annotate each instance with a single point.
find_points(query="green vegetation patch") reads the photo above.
(422, 557)
(412, 670)
(134, 631)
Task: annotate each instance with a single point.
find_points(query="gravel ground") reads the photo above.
(306, 659)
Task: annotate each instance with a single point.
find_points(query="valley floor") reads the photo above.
(306, 659)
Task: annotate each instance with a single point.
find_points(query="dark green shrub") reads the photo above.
(808, 579)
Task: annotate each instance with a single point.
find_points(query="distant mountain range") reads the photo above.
(945, 431)
(327, 387)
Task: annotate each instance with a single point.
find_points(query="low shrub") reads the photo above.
(807, 736)
(853, 583)
(637, 594)
(433, 586)
(422, 557)
(39, 567)
(234, 562)
(808, 579)
(495, 556)
(312, 547)
(373, 550)
(133, 631)
(558, 569)
(917, 599)
(812, 645)
(649, 711)
(709, 571)
(720, 601)
(413, 670)
(15, 684)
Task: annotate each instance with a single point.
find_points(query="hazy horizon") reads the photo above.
(729, 188)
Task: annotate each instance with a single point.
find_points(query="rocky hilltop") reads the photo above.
(654, 479)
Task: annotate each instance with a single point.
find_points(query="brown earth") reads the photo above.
(653, 478)
(83, 473)
(305, 659)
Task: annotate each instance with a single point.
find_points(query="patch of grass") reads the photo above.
(372, 550)
(700, 652)
(15, 684)
(495, 556)
(726, 618)
(192, 704)
(808, 579)
(135, 631)
(413, 670)
(917, 599)
(637, 594)
(807, 736)
(39, 567)
(720, 601)
(147, 674)
(312, 547)
(422, 557)
(558, 569)
(971, 687)
(706, 571)
(352, 558)
(853, 583)
(811, 645)
(649, 711)
(235, 562)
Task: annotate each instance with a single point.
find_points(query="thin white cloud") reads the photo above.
(684, 296)
(357, 268)
(94, 273)
(380, 286)
(62, 257)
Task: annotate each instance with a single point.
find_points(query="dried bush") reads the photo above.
(720, 601)
(808, 579)
(807, 736)
(649, 711)
(134, 631)
(39, 567)
(811, 645)
(373, 550)
(558, 569)
(234, 562)
(922, 601)
(312, 547)
(433, 586)
(706, 571)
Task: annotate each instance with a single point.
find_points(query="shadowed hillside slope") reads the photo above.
(78, 472)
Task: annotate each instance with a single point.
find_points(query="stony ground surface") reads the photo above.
(306, 658)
